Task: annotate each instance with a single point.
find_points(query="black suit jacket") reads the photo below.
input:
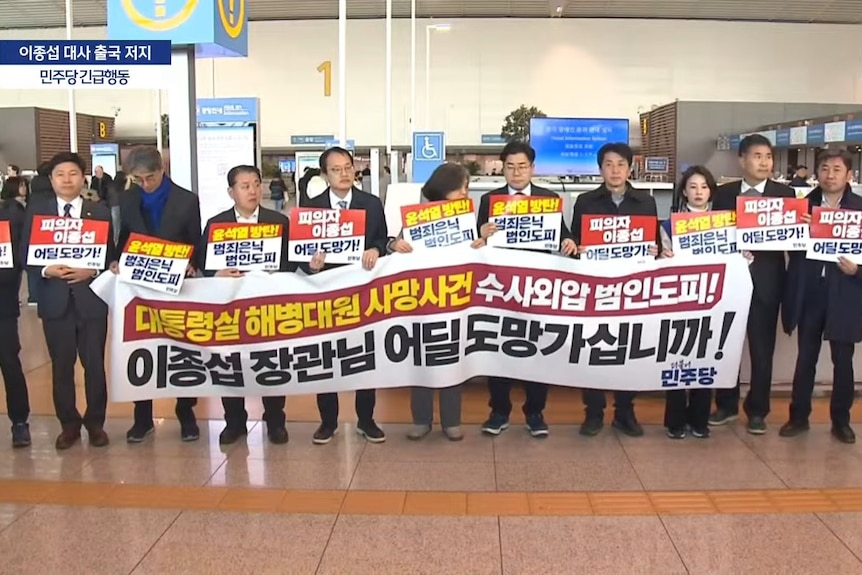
(768, 269)
(535, 191)
(264, 216)
(55, 294)
(843, 293)
(376, 232)
(10, 278)
(636, 202)
(181, 220)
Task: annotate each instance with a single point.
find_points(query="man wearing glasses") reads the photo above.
(518, 164)
(157, 207)
(336, 165)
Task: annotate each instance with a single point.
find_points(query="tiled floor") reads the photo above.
(733, 504)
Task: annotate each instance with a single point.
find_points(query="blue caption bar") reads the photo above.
(85, 53)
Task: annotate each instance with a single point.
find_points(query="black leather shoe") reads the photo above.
(371, 432)
(277, 435)
(628, 424)
(20, 435)
(756, 425)
(843, 433)
(139, 432)
(793, 428)
(230, 435)
(591, 426)
(323, 435)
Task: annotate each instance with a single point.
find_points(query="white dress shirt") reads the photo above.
(334, 200)
(252, 219)
(77, 207)
(757, 189)
(526, 191)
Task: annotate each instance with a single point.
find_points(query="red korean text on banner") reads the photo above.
(140, 244)
(73, 242)
(600, 230)
(834, 234)
(524, 206)
(753, 213)
(771, 224)
(231, 232)
(320, 224)
(418, 214)
(6, 257)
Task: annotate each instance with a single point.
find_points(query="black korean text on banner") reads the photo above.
(339, 233)
(771, 224)
(618, 238)
(72, 242)
(431, 319)
(835, 234)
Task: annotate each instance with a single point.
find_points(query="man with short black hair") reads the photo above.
(518, 166)
(824, 301)
(74, 319)
(244, 188)
(336, 164)
(155, 206)
(615, 197)
(768, 272)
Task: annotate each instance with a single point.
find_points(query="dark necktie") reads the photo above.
(342, 204)
(67, 211)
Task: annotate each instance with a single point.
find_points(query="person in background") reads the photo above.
(448, 182)
(115, 189)
(100, 183)
(12, 189)
(17, 398)
(157, 207)
(244, 188)
(824, 301)
(74, 319)
(800, 178)
(688, 410)
(40, 191)
(337, 165)
(518, 166)
(768, 275)
(277, 189)
(615, 197)
(365, 180)
(13, 171)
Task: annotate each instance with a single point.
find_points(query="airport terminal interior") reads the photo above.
(681, 82)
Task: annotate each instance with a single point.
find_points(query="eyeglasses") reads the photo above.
(517, 168)
(340, 170)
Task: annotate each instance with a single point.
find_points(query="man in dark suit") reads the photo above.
(518, 165)
(100, 183)
(74, 319)
(17, 398)
(615, 197)
(824, 301)
(768, 276)
(157, 207)
(244, 188)
(336, 164)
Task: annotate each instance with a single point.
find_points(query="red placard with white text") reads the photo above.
(609, 238)
(771, 224)
(834, 234)
(338, 233)
(73, 242)
(6, 259)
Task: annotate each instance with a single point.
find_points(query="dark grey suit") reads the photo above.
(75, 322)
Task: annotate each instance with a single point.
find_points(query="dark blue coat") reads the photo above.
(843, 293)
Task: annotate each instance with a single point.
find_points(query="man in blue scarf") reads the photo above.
(157, 207)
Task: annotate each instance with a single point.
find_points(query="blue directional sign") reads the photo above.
(429, 151)
(349, 145)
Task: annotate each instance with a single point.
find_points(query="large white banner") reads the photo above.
(433, 319)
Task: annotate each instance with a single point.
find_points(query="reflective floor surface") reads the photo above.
(732, 504)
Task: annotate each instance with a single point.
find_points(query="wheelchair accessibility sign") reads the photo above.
(429, 151)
